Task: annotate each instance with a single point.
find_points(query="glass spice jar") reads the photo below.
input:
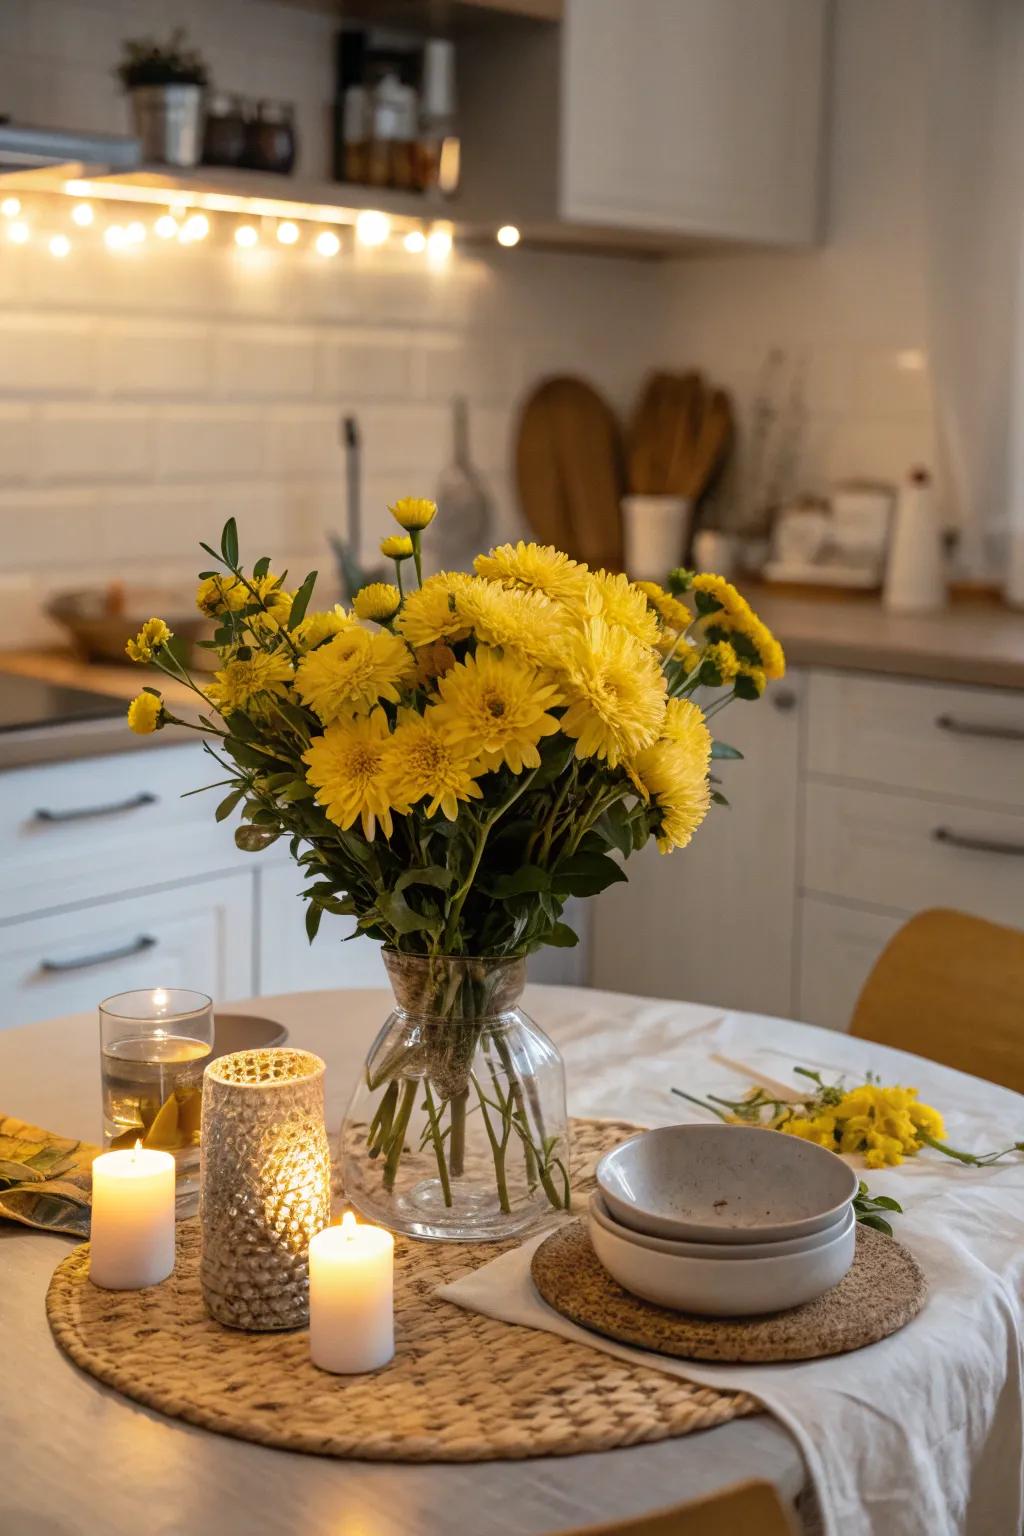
(271, 143)
(225, 132)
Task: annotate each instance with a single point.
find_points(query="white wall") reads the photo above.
(145, 396)
(852, 316)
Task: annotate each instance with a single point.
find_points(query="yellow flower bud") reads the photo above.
(397, 546)
(413, 513)
(145, 714)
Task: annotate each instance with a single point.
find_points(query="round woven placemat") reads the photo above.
(882, 1291)
(462, 1387)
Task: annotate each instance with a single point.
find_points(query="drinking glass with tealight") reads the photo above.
(154, 1047)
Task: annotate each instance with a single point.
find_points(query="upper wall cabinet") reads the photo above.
(651, 123)
(695, 117)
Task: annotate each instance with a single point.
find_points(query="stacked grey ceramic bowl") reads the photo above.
(723, 1220)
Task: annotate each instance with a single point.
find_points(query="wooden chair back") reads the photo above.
(748, 1509)
(950, 987)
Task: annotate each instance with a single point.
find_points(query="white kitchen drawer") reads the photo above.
(838, 947)
(927, 737)
(197, 936)
(287, 960)
(95, 827)
(905, 853)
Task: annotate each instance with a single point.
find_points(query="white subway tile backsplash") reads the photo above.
(367, 364)
(92, 442)
(205, 442)
(45, 354)
(15, 445)
(276, 363)
(140, 358)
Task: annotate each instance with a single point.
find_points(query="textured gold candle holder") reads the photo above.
(265, 1185)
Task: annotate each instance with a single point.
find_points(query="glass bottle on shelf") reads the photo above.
(437, 148)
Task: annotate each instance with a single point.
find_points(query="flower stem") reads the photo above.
(457, 1145)
(396, 1144)
(438, 1140)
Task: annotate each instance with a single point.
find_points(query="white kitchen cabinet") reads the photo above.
(714, 922)
(655, 124)
(837, 946)
(197, 935)
(699, 117)
(287, 960)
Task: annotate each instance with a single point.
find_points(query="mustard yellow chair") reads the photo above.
(748, 1509)
(950, 987)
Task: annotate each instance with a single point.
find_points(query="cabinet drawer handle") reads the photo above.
(990, 732)
(136, 947)
(83, 812)
(976, 844)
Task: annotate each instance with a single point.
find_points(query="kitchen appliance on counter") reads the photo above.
(30, 704)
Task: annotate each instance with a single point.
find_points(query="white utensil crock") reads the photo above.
(655, 530)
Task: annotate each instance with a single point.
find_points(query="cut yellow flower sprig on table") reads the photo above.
(882, 1124)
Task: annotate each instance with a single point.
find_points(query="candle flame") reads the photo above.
(137, 1148)
(349, 1225)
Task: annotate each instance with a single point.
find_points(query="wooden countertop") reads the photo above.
(976, 639)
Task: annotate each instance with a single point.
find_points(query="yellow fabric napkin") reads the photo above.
(45, 1180)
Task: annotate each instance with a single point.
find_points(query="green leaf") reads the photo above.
(878, 1222)
(300, 602)
(228, 804)
(396, 912)
(299, 790)
(250, 839)
(721, 750)
(441, 879)
(562, 937)
(241, 726)
(229, 543)
(524, 881)
(261, 567)
(313, 915)
(585, 874)
(718, 798)
(614, 827)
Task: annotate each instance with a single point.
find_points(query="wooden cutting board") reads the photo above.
(570, 471)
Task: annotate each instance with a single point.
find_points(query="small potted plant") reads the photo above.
(165, 83)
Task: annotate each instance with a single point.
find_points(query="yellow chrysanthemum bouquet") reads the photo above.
(452, 760)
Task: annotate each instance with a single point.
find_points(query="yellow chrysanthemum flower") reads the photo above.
(526, 623)
(671, 643)
(353, 672)
(668, 608)
(220, 594)
(315, 628)
(749, 634)
(430, 615)
(277, 604)
(535, 567)
(496, 706)
(673, 774)
(377, 602)
(145, 714)
(723, 659)
(613, 597)
(347, 768)
(616, 693)
(240, 684)
(153, 634)
(723, 593)
(397, 546)
(820, 1129)
(424, 764)
(750, 680)
(413, 513)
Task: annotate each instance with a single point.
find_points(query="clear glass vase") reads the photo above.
(458, 1128)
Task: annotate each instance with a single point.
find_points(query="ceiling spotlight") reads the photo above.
(415, 241)
(372, 228)
(195, 227)
(247, 235)
(327, 243)
(135, 233)
(82, 215)
(18, 232)
(439, 244)
(10, 207)
(508, 236)
(60, 246)
(115, 238)
(288, 232)
(166, 226)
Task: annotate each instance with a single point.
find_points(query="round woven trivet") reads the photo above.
(461, 1387)
(881, 1292)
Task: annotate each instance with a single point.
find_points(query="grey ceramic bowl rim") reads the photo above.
(732, 1253)
(799, 1226)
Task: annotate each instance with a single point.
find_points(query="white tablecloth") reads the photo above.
(921, 1434)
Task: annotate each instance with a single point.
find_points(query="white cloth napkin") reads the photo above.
(920, 1434)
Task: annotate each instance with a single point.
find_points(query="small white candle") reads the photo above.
(351, 1298)
(132, 1231)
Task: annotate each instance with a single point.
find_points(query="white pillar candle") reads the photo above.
(132, 1231)
(351, 1297)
